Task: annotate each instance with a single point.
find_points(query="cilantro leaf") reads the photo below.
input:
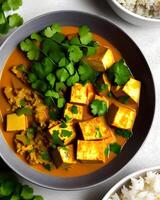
(50, 31)
(37, 37)
(14, 4)
(70, 68)
(66, 133)
(33, 52)
(115, 148)
(2, 17)
(22, 103)
(51, 79)
(45, 155)
(53, 115)
(119, 73)
(51, 93)
(63, 62)
(123, 99)
(101, 87)
(75, 53)
(61, 102)
(22, 68)
(72, 79)
(38, 197)
(85, 35)
(4, 28)
(123, 133)
(23, 111)
(62, 74)
(98, 107)
(15, 20)
(47, 167)
(27, 192)
(107, 151)
(87, 73)
(75, 41)
(74, 109)
(5, 6)
(56, 138)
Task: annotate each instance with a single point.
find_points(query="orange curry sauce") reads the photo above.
(8, 79)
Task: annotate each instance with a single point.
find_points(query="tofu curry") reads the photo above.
(68, 101)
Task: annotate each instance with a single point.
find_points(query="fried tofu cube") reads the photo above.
(74, 111)
(132, 88)
(67, 154)
(91, 150)
(67, 134)
(102, 60)
(121, 116)
(95, 129)
(112, 138)
(82, 94)
(16, 123)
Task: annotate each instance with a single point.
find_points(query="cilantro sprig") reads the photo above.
(98, 107)
(12, 20)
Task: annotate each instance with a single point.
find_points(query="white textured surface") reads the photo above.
(148, 39)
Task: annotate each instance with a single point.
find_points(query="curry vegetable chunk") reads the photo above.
(82, 94)
(121, 116)
(91, 151)
(132, 88)
(67, 154)
(16, 123)
(67, 134)
(103, 59)
(95, 129)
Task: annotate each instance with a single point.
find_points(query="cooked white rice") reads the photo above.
(146, 188)
(146, 8)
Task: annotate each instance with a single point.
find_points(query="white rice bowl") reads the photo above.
(146, 8)
(141, 188)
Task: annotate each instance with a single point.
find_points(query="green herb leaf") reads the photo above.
(74, 109)
(5, 6)
(15, 20)
(56, 138)
(40, 86)
(27, 192)
(101, 87)
(45, 155)
(87, 73)
(107, 151)
(53, 115)
(115, 148)
(66, 133)
(38, 197)
(72, 79)
(62, 74)
(75, 53)
(98, 107)
(32, 78)
(22, 103)
(15, 197)
(22, 68)
(124, 133)
(70, 68)
(60, 86)
(67, 118)
(51, 79)
(98, 133)
(123, 99)
(47, 167)
(91, 51)
(4, 28)
(85, 35)
(30, 132)
(37, 37)
(119, 73)
(24, 111)
(33, 52)
(50, 31)
(75, 41)
(61, 102)
(63, 124)
(51, 93)
(7, 187)
(63, 62)
(14, 4)
(2, 17)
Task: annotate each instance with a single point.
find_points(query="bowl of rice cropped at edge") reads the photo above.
(137, 12)
(140, 185)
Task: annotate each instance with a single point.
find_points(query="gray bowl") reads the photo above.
(140, 70)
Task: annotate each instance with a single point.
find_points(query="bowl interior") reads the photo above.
(140, 70)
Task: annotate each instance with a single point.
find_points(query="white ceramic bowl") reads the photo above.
(131, 17)
(116, 188)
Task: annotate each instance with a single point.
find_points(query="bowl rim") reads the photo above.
(127, 178)
(153, 114)
(132, 14)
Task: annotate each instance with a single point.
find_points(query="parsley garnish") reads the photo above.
(98, 107)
